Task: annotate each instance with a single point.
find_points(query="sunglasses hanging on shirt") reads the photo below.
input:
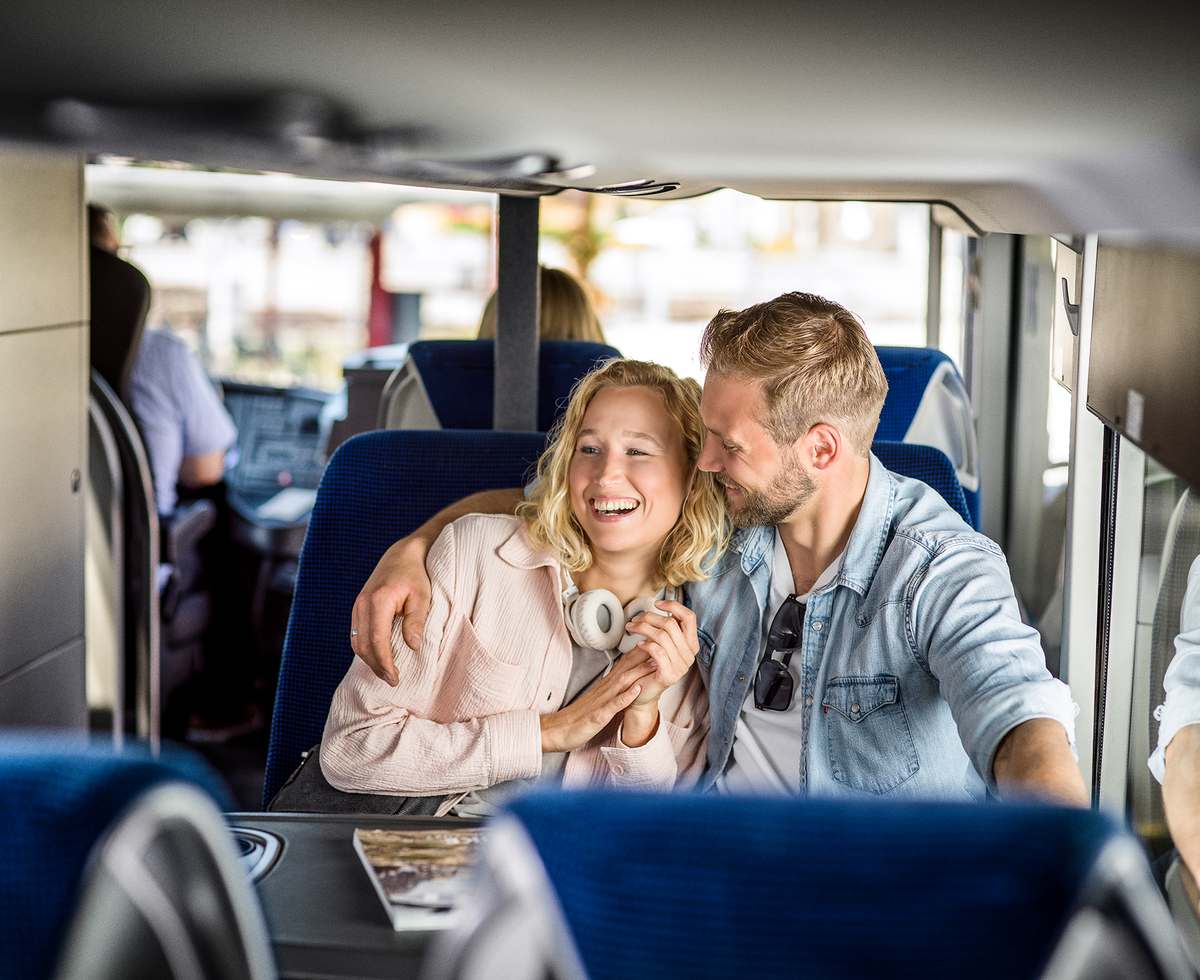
(773, 683)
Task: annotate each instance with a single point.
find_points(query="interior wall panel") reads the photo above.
(47, 693)
(41, 494)
(43, 454)
(42, 245)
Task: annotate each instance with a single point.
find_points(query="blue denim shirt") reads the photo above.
(915, 655)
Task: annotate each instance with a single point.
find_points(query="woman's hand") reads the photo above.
(669, 638)
(579, 721)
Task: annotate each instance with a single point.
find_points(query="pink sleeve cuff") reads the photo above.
(515, 746)
(650, 766)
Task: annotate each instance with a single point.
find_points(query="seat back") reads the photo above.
(162, 603)
(927, 464)
(710, 886)
(378, 487)
(58, 796)
(927, 404)
(458, 377)
(120, 300)
(141, 613)
(166, 895)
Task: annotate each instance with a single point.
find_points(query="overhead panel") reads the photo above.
(1145, 351)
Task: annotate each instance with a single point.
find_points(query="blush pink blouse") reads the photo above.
(495, 656)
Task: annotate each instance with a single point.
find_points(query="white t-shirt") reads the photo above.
(766, 749)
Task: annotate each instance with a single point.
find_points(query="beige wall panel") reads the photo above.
(43, 280)
(48, 693)
(42, 414)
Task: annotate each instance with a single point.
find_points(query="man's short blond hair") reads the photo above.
(811, 358)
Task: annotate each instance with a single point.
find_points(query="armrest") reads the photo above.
(185, 527)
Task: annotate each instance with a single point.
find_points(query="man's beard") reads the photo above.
(789, 490)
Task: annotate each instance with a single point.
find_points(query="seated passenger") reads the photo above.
(867, 641)
(120, 299)
(558, 646)
(1176, 760)
(186, 428)
(564, 310)
(564, 313)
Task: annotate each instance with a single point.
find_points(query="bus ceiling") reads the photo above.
(1030, 118)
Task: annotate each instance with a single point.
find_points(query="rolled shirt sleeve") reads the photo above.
(1182, 679)
(990, 665)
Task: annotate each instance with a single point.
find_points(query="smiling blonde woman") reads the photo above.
(558, 646)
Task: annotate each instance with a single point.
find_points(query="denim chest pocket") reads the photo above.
(870, 745)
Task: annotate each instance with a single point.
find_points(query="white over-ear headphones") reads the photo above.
(596, 618)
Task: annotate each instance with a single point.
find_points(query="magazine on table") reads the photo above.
(420, 875)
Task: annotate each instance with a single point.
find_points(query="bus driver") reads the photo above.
(866, 639)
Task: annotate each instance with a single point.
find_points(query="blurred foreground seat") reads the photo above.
(658, 887)
(120, 866)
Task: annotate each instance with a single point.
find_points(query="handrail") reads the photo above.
(148, 707)
(116, 479)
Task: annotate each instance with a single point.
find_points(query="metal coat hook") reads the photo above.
(1072, 310)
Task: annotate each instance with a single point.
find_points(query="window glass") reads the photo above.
(284, 302)
(1170, 543)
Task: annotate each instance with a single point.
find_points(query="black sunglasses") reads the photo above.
(773, 683)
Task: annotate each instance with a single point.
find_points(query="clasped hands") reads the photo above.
(637, 680)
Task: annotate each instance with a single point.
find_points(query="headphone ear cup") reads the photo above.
(636, 607)
(596, 620)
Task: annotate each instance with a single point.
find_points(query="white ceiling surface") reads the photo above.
(194, 193)
(1039, 117)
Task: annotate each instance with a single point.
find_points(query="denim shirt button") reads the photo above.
(854, 708)
(817, 625)
(741, 678)
(808, 701)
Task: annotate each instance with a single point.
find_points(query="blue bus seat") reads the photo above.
(458, 374)
(929, 465)
(706, 886)
(927, 404)
(378, 487)
(59, 794)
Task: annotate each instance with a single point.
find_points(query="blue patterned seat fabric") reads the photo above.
(378, 487)
(458, 376)
(909, 371)
(681, 885)
(58, 795)
(927, 464)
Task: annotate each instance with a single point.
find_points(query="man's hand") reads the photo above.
(1034, 760)
(574, 725)
(399, 586)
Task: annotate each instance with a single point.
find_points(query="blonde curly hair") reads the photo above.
(702, 530)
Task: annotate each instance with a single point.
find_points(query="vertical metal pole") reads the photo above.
(1084, 502)
(516, 375)
(933, 301)
(1108, 533)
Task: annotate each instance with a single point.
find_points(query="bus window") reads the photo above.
(1170, 540)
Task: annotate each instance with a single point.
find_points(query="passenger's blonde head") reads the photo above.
(702, 525)
(564, 310)
(813, 361)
